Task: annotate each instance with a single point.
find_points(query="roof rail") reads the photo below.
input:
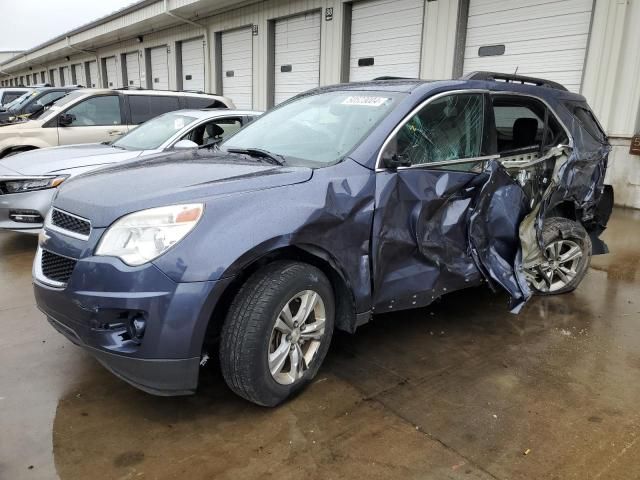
(389, 77)
(512, 78)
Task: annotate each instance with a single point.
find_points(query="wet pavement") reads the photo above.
(460, 390)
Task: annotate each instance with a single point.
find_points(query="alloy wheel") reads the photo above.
(560, 268)
(296, 337)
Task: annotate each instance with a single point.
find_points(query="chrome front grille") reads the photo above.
(70, 224)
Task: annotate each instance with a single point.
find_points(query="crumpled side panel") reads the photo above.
(501, 205)
(578, 180)
(420, 236)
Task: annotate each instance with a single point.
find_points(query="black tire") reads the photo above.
(246, 332)
(562, 229)
(15, 152)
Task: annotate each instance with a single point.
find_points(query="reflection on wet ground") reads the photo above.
(462, 389)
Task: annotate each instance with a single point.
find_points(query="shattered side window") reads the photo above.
(588, 121)
(449, 128)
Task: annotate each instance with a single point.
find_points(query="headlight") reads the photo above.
(18, 185)
(143, 236)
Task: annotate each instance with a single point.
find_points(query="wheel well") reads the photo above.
(21, 148)
(563, 209)
(345, 304)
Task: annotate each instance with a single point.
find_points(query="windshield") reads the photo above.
(21, 100)
(56, 106)
(152, 134)
(316, 129)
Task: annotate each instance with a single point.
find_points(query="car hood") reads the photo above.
(59, 159)
(194, 176)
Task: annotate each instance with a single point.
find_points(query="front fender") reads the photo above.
(332, 212)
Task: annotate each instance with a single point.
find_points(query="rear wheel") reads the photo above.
(277, 332)
(568, 251)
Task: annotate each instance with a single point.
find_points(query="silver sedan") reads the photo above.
(28, 181)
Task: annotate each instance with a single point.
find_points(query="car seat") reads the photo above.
(525, 131)
(214, 133)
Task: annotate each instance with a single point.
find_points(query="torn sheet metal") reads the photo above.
(437, 231)
(500, 207)
(419, 238)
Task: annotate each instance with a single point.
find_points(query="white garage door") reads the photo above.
(78, 77)
(297, 55)
(159, 68)
(111, 70)
(193, 65)
(93, 74)
(386, 39)
(132, 61)
(55, 77)
(539, 38)
(237, 67)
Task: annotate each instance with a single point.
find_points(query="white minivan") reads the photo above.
(97, 115)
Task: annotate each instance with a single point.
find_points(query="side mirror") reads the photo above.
(393, 161)
(66, 119)
(185, 145)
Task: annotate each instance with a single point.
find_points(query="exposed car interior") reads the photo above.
(524, 127)
(214, 132)
(528, 140)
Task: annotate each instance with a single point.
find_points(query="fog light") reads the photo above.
(139, 325)
(25, 216)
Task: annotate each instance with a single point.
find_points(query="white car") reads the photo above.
(96, 115)
(28, 180)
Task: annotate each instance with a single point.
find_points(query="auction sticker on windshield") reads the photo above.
(365, 101)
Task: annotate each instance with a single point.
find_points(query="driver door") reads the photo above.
(94, 120)
(424, 198)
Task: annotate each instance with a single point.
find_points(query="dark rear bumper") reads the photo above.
(600, 219)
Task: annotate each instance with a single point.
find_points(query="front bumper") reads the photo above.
(38, 201)
(165, 377)
(96, 308)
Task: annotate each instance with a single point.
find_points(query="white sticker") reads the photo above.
(178, 124)
(365, 101)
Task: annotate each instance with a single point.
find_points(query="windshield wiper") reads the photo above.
(273, 158)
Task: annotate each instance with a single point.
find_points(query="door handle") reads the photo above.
(114, 133)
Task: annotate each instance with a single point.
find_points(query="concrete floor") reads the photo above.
(458, 390)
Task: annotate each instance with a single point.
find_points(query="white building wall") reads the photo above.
(612, 88)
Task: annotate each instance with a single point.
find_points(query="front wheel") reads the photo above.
(568, 255)
(277, 332)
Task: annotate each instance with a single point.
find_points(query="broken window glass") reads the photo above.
(449, 128)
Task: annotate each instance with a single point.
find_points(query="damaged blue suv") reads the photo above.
(343, 202)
